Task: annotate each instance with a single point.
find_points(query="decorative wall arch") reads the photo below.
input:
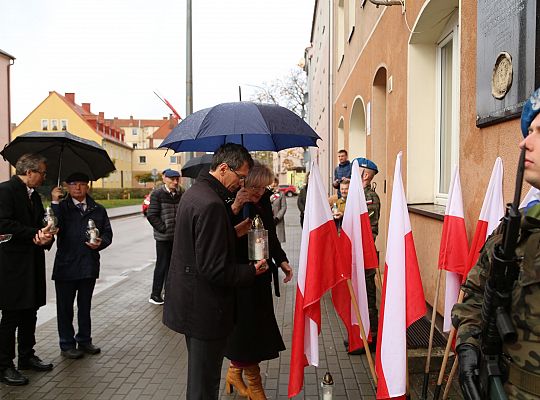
(357, 129)
(341, 134)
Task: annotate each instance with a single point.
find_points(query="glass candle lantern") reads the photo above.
(50, 221)
(92, 233)
(327, 387)
(257, 240)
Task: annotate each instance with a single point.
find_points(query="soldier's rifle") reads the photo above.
(497, 324)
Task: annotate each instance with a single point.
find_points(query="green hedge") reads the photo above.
(103, 194)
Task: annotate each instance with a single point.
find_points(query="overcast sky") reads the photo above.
(115, 53)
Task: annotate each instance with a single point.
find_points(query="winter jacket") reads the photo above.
(162, 212)
(74, 259)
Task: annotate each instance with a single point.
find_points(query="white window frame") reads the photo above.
(54, 124)
(134, 131)
(44, 124)
(173, 160)
(451, 33)
(142, 159)
(64, 124)
(352, 18)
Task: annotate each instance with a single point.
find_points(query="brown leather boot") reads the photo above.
(255, 389)
(234, 378)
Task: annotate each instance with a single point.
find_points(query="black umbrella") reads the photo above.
(193, 167)
(65, 153)
(256, 126)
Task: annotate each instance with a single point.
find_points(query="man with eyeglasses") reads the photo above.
(22, 268)
(76, 265)
(203, 273)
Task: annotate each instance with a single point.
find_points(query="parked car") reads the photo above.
(146, 204)
(289, 190)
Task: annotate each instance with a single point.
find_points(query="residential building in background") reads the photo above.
(443, 81)
(131, 143)
(6, 61)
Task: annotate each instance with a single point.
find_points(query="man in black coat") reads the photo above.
(162, 216)
(76, 265)
(22, 267)
(203, 273)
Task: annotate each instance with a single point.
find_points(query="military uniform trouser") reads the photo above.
(371, 290)
(522, 384)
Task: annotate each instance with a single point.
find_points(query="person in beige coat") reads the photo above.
(279, 207)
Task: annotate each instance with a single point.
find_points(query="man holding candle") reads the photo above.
(204, 273)
(22, 267)
(76, 266)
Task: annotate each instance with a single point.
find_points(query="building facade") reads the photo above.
(6, 61)
(404, 78)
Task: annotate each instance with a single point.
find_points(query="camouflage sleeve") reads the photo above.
(467, 316)
(374, 210)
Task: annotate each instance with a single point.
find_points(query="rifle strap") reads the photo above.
(524, 380)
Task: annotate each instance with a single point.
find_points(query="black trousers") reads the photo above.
(65, 297)
(24, 322)
(205, 358)
(163, 259)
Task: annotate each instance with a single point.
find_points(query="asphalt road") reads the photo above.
(132, 249)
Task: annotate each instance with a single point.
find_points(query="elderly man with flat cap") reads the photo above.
(522, 359)
(76, 266)
(162, 216)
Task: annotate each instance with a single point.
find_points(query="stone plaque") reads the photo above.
(508, 55)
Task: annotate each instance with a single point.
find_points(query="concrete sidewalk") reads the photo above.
(142, 359)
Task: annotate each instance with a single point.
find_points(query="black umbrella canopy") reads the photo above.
(193, 167)
(65, 153)
(255, 126)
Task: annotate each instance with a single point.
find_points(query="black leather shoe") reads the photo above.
(89, 348)
(10, 376)
(34, 363)
(72, 353)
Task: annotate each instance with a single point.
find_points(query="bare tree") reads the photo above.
(289, 92)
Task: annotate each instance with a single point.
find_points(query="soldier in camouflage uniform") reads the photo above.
(522, 359)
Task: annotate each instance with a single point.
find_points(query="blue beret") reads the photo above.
(365, 163)
(531, 108)
(171, 173)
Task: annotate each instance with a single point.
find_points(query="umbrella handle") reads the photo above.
(60, 163)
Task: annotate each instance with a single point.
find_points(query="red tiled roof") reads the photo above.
(136, 122)
(165, 129)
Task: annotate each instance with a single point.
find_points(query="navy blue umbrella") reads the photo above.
(256, 126)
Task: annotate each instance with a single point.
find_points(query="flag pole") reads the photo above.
(380, 278)
(362, 332)
(450, 379)
(431, 334)
(446, 353)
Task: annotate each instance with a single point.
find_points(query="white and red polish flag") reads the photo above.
(358, 253)
(454, 247)
(490, 215)
(318, 271)
(402, 301)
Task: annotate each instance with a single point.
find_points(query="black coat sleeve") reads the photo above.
(154, 212)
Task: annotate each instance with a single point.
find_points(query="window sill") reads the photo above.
(429, 210)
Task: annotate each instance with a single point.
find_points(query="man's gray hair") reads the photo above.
(232, 154)
(29, 162)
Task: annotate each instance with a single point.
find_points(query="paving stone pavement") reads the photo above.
(142, 359)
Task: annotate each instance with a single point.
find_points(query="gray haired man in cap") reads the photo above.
(76, 265)
(162, 216)
(521, 359)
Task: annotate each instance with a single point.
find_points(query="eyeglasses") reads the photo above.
(241, 177)
(42, 173)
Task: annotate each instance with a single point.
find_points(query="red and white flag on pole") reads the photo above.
(454, 247)
(490, 215)
(318, 271)
(358, 253)
(402, 301)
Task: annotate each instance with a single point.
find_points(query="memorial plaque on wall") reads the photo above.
(507, 64)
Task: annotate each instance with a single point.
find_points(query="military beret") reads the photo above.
(171, 173)
(531, 108)
(365, 163)
(77, 177)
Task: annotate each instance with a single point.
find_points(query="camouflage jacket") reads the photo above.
(525, 313)
(374, 209)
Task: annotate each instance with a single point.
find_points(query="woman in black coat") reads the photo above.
(256, 335)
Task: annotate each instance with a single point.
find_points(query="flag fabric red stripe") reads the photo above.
(479, 238)
(416, 302)
(454, 246)
(318, 271)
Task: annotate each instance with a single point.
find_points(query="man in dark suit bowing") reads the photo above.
(22, 267)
